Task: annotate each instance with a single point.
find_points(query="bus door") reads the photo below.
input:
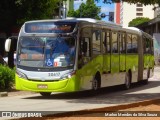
(85, 71)
(147, 60)
(115, 52)
(106, 51)
(122, 52)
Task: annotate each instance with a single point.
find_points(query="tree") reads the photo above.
(16, 12)
(88, 10)
(138, 21)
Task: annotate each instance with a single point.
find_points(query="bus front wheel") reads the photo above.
(45, 94)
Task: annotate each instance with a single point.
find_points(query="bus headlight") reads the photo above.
(21, 75)
(68, 75)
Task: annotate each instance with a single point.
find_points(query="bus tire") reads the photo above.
(127, 83)
(96, 83)
(45, 94)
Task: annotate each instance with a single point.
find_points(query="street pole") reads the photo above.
(80, 12)
(60, 9)
(63, 9)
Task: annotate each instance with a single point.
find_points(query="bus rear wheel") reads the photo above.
(45, 94)
(148, 76)
(127, 84)
(96, 83)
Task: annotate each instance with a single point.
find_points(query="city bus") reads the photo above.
(78, 54)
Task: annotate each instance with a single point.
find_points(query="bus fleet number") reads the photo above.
(53, 74)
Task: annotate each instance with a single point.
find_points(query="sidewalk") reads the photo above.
(145, 110)
(15, 93)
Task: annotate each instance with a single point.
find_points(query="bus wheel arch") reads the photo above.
(96, 83)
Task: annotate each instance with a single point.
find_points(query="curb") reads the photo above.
(105, 109)
(3, 94)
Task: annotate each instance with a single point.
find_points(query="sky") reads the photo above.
(105, 8)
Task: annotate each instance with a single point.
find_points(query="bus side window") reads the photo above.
(122, 43)
(134, 44)
(106, 42)
(114, 42)
(129, 43)
(85, 45)
(84, 48)
(96, 42)
(152, 47)
(146, 45)
(84, 52)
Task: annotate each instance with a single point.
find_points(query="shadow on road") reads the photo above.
(109, 95)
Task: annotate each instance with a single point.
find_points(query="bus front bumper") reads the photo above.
(67, 85)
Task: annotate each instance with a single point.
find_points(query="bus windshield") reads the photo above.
(46, 51)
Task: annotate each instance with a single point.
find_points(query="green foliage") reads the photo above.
(35, 9)
(138, 21)
(16, 12)
(73, 13)
(88, 10)
(7, 77)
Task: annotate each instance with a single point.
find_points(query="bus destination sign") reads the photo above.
(49, 27)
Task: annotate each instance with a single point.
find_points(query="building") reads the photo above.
(117, 13)
(126, 12)
(65, 6)
(156, 11)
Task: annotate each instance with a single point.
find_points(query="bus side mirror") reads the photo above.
(85, 44)
(7, 45)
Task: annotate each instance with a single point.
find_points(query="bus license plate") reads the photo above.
(42, 86)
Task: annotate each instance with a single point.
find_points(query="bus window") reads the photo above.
(96, 38)
(134, 44)
(152, 48)
(129, 43)
(122, 43)
(85, 44)
(147, 45)
(106, 42)
(84, 52)
(114, 42)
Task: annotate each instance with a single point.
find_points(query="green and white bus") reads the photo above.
(81, 54)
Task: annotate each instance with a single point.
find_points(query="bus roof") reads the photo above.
(90, 20)
(138, 31)
(133, 30)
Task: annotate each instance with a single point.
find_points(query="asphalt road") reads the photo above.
(62, 102)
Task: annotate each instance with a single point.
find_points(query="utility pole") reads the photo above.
(62, 9)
